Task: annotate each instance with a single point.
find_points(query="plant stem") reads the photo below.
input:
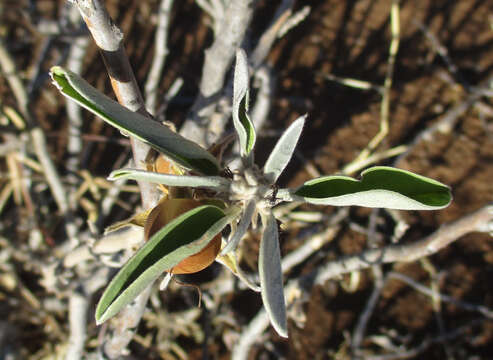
(109, 39)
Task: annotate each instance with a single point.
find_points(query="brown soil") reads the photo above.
(347, 39)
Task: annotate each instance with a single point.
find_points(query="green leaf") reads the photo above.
(208, 182)
(283, 151)
(184, 236)
(183, 151)
(380, 186)
(270, 273)
(244, 127)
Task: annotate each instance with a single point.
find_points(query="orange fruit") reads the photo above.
(169, 209)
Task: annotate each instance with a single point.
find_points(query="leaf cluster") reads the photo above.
(249, 195)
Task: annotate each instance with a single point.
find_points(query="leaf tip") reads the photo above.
(100, 319)
(282, 333)
(116, 174)
(57, 70)
(302, 119)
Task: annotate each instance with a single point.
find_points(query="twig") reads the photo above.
(75, 61)
(111, 243)
(5, 193)
(356, 166)
(294, 20)
(364, 318)
(265, 94)
(412, 353)
(385, 92)
(218, 59)
(310, 246)
(7, 65)
(126, 323)
(250, 336)
(215, 9)
(159, 59)
(483, 310)
(435, 301)
(109, 39)
(480, 220)
(78, 309)
(74, 145)
(442, 52)
(267, 39)
(172, 92)
(53, 179)
(447, 122)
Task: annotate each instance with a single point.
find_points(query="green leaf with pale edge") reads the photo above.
(283, 151)
(183, 151)
(381, 187)
(242, 123)
(270, 273)
(184, 236)
(208, 182)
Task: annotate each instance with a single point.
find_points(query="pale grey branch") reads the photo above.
(218, 59)
(159, 58)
